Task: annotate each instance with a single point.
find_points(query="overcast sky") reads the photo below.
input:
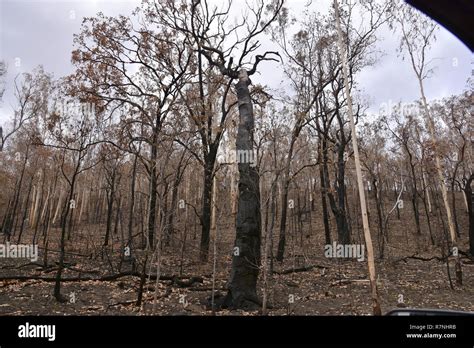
(39, 32)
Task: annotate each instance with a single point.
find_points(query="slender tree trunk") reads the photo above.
(8, 227)
(327, 232)
(344, 235)
(444, 193)
(427, 192)
(453, 203)
(378, 203)
(283, 218)
(83, 204)
(64, 219)
(414, 193)
(132, 203)
(110, 208)
(151, 224)
(25, 213)
(58, 207)
(470, 208)
(169, 228)
(284, 197)
(368, 239)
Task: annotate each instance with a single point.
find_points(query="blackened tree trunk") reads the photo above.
(246, 254)
(64, 226)
(453, 199)
(153, 192)
(8, 226)
(286, 186)
(378, 203)
(206, 207)
(327, 232)
(132, 202)
(284, 212)
(338, 208)
(110, 194)
(169, 227)
(470, 206)
(414, 192)
(343, 228)
(174, 198)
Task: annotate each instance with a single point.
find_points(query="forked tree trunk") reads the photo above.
(64, 218)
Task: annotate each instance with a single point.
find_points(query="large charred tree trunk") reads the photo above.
(153, 192)
(246, 254)
(206, 208)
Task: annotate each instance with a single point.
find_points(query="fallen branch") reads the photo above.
(65, 252)
(104, 278)
(207, 289)
(21, 266)
(420, 258)
(125, 303)
(348, 281)
(300, 269)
